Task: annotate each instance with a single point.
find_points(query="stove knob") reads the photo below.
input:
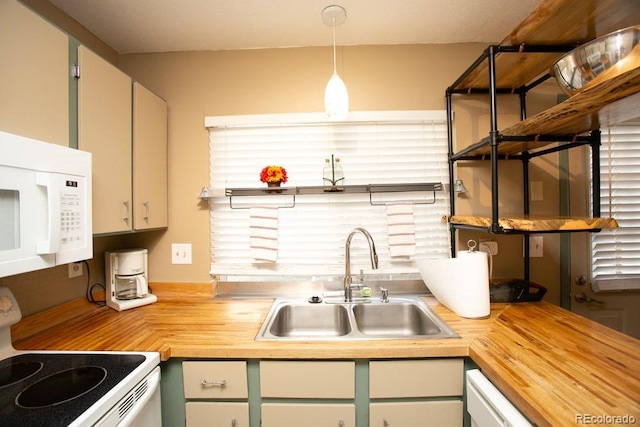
(5, 304)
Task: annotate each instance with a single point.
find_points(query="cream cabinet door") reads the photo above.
(415, 378)
(308, 415)
(104, 129)
(416, 414)
(217, 414)
(34, 75)
(307, 379)
(149, 159)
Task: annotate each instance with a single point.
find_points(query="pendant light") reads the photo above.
(336, 97)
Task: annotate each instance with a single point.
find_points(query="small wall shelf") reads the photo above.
(346, 189)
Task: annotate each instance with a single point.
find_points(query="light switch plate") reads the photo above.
(535, 246)
(181, 253)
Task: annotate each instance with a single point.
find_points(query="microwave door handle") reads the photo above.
(52, 244)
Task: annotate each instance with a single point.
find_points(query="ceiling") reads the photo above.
(184, 25)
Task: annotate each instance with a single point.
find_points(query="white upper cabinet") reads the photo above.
(149, 159)
(104, 129)
(34, 75)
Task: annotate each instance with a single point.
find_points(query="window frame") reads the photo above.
(400, 268)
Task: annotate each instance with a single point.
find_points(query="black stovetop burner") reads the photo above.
(14, 371)
(52, 389)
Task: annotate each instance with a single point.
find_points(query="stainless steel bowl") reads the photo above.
(598, 60)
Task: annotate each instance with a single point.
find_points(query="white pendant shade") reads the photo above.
(336, 98)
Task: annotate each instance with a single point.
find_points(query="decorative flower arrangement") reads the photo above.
(273, 174)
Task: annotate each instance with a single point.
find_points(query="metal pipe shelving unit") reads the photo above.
(489, 148)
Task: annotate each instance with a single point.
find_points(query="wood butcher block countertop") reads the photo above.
(551, 363)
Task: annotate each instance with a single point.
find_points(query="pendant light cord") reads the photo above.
(334, 44)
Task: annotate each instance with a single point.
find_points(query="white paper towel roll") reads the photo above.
(461, 284)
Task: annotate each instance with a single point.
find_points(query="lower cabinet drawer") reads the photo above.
(215, 380)
(416, 378)
(416, 414)
(308, 379)
(308, 415)
(217, 414)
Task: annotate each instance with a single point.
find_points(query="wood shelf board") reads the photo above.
(602, 104)
(553, 22)
(513, 70)
(573, 21)
(537, 223)
(607, 102)
(510, 148)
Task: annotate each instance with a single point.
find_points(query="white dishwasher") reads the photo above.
(488, 407)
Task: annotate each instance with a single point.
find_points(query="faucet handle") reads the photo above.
(385, 295)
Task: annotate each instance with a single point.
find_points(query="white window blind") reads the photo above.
(616, 252)
(376, 148)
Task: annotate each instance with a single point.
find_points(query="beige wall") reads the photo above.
(199, 84)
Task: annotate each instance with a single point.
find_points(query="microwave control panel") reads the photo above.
(72, 203)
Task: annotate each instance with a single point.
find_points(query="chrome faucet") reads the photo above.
(348, 294)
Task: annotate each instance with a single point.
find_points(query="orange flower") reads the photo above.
(273, 174)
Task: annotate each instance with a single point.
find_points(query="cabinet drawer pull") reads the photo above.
(146, 211)
(340, 423)
(205, 383)
(385, 423)
(126, 211)
(233, 422)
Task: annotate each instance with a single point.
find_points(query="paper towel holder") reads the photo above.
(471, 245)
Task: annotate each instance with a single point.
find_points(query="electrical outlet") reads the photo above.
(535, 246)
(489, 246)
(181, 253)
(75, 269)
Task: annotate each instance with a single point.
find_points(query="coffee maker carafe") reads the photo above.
(126, 277)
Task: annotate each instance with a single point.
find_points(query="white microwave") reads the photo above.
(45, 205)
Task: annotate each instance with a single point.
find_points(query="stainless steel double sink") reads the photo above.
(363, 319)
